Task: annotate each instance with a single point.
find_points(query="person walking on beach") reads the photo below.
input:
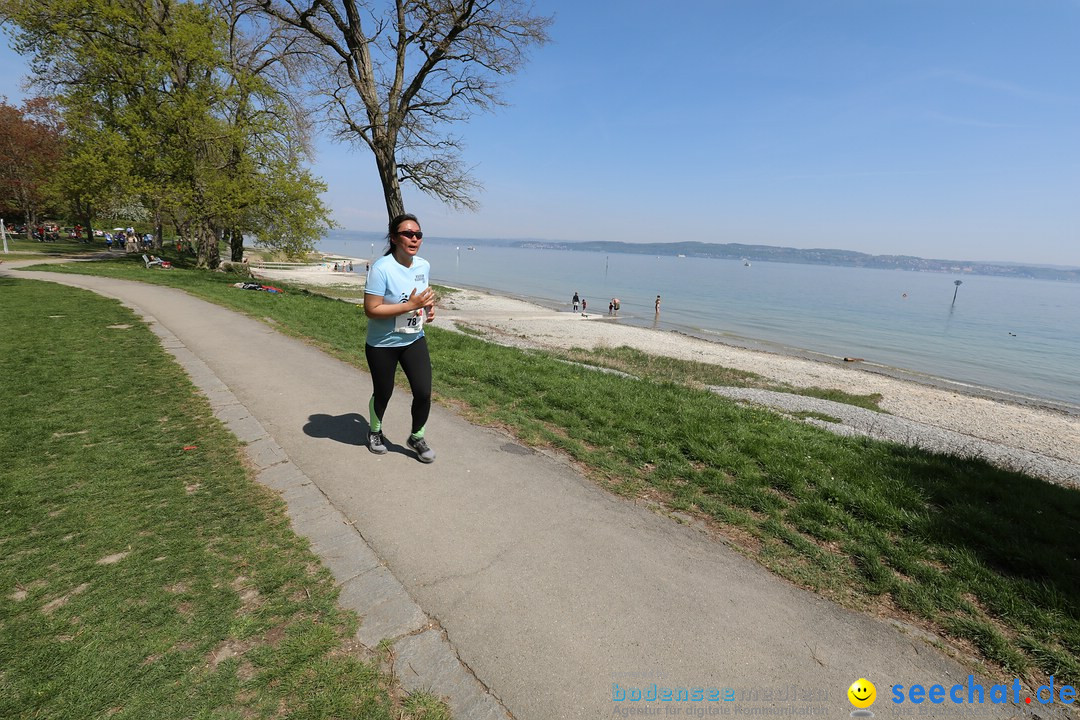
(584, 304)
(576, 301)
(397, 302)
(657, 304)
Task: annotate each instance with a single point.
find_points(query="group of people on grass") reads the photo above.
(47, 232)
(129, 240)
(51, 233)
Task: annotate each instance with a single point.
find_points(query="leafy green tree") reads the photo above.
(90, 179)
(263, 176)
(31, 147)
(200, 131)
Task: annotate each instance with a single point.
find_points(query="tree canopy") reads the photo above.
(31, 145)
(194, 111)
(171, 106)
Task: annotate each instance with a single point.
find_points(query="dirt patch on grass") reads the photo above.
(250, 599)
(227, 650)
(274, 635)
(53, 605)
(23, 591)
(355, 649)
(69, 434)
(246, 672)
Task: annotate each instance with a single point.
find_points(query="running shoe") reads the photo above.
(423, 453)
(375, 443)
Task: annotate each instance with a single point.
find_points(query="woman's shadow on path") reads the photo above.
(348, 429)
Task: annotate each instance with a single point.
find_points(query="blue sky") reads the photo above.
(943, 128)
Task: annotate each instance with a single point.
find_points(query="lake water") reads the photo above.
(1018, 337)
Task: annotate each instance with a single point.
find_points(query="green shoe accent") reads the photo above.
(375, 422)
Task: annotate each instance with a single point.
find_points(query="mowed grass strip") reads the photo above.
(19, 248)
(668, 369)
(981, 554)
(142, 572)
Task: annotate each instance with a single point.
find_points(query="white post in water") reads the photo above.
(3, 231)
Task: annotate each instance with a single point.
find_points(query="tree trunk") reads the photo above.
(387, 165)
(236, 245)
(88, 226)
(208, 255)
(158, 230)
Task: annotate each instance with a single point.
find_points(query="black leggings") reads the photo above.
(415, 361)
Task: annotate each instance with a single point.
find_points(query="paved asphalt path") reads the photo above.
(555, 594)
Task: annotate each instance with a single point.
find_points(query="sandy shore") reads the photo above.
(514, 322)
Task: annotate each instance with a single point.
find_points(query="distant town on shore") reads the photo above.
(814, 256)
(771, 253)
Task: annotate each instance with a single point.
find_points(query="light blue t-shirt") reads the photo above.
(394, 282)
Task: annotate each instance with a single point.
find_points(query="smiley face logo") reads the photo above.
(862, 693)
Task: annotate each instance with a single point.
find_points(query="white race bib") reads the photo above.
(410, 322)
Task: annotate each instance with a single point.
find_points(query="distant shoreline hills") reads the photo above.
(812, 256)
(768, 253)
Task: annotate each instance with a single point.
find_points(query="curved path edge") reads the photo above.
(423, 657)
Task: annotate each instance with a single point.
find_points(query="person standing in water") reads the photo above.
(397, 302)
(657, 304)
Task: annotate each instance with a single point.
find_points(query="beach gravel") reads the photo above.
(881, 426)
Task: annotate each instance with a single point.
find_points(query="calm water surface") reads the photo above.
(1021, 337)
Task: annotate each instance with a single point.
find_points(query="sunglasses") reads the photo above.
(418, 234)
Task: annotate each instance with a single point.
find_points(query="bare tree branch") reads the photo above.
(396, 74)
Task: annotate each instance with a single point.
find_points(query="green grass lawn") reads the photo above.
(661, 368)
(19, 248)
(986, 556)
(142, 571)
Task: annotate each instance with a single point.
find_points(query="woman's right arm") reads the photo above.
(375, 306)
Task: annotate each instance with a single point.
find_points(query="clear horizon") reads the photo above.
(377, 235)
(939, 130)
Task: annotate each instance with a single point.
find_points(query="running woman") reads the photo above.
(398, 302)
